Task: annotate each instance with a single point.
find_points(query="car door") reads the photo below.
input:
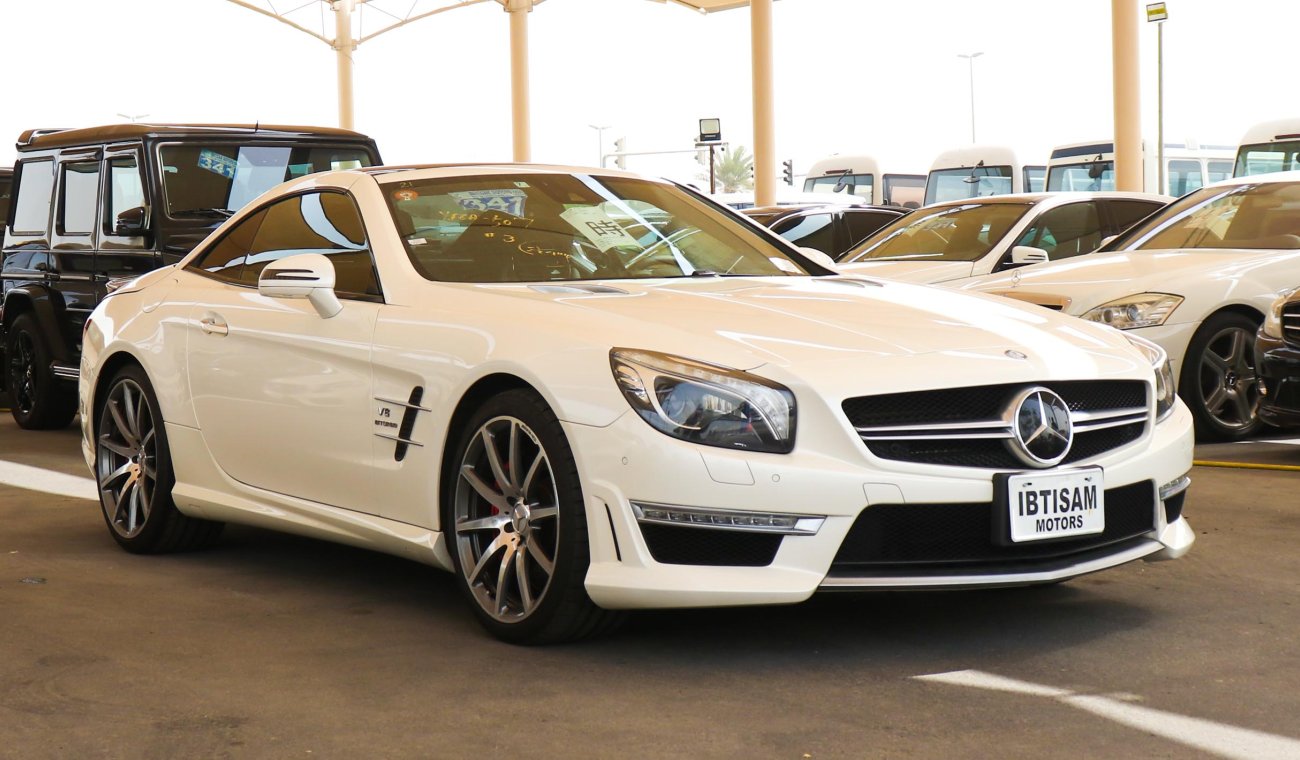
(281, 394)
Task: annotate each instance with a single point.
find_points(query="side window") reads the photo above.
(78, 197)
(324, 223)
(1184, 176)
(125, 189)
(813, 231)
(1125, 214)
(35, 187)
(861, 223)
(1065, 231)
(224, 259)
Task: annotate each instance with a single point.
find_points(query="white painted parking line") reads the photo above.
(1279, 441)
(1205, 735)
(48, 481)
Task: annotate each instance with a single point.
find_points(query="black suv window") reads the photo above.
(125, 189)
(35, 186)
(201, 179)
(78, 196)
(324, 223)
(5, 183)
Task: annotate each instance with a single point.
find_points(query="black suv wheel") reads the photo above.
(40, 401)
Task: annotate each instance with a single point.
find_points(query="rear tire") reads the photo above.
(133, 470)
(1219, 381)
(39, 400)
(516, 526)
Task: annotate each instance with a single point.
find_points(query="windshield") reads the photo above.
(1246, 216)
(959, 184)
(850, 184)
(948, 233)
(1092, 176)
(217, 179)
(1266, 158)
(560, 227)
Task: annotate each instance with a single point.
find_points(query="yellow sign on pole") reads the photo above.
(1156, 12)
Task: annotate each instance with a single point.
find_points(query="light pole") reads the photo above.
(600, 143)
(970, 59)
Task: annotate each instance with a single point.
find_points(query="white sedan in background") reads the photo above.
(583, 391)
(1197, 279)
(956, 240)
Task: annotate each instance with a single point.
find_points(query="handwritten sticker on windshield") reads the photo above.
(510, 201)
(217, 163)
(595, 225)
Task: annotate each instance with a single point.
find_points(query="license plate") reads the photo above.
(1042, 505)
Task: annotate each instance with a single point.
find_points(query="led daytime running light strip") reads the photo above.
(722, 519)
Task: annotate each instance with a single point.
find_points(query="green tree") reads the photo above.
(733, 170)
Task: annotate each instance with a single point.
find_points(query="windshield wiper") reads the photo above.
(216, 213)
(704, 273)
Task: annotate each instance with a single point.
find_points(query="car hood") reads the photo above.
(911, 271)
(1084, 282)
(833, 332)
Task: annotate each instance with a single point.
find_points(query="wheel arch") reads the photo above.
(46, 305)
(108, 368)
(479, 392)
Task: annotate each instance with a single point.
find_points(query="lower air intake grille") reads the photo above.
(678, 545)
(959, 537)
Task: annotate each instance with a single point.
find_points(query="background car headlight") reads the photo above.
(705, 403)
(1142, 310)
(1166, 389)
(1273, 319)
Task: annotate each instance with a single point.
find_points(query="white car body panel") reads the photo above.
(277, 426)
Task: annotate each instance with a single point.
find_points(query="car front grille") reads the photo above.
(969, 427)
(916, 538)
(1291, 323)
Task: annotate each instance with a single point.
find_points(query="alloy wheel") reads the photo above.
(506, 519)
(127, 458)
(22, 372)
(1228, 383)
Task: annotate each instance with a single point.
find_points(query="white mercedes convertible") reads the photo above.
(583, 392)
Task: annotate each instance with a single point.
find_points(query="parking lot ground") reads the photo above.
(1275, 449)
(271, 645)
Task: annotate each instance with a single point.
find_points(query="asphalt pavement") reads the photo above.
(275, 646)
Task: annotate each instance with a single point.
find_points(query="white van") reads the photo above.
(974, 171)
(1272, 146)
(1090, 166)
(863, 177)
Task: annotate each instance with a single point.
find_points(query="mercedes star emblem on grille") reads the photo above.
(1041, 427)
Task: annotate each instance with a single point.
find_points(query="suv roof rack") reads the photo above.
(26, 137)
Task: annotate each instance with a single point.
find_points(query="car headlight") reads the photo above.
(1166, 390)
(1273, 320)
(1142, 310)
(704, 403)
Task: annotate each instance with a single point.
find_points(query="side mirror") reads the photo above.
(132, 222)
(1027, 254)
(307, 275)
(818, 257)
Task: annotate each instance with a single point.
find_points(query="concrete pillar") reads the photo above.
(764, 108)
(519, 10)
(343, 46)
(1128, 94)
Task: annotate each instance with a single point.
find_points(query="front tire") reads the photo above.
(1219, 382)
(133, 469)
(516, 524)
(39, 401)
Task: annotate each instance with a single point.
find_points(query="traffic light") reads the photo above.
(619, 159)
(787, 171)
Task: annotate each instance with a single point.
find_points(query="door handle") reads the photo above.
(214, 325)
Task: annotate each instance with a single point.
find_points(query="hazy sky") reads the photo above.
(853, 76)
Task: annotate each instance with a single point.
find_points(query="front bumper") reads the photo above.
(1278, 365)
(628, 461)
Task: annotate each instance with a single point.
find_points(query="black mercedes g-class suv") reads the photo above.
(105, 203)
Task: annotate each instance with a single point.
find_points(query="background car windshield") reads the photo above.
(1249, 216)
(208, 179)
(949, 233)
(958, 184)
(544, 227)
